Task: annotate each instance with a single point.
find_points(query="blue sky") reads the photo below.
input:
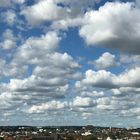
(69, 62)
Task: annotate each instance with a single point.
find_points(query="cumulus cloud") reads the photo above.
(114, 25)
(106, 60)
(130, 59)
(100, 78)
(48, 80)
(9, 17)
(43, 45)
(119, 94)
(64, 24)
(18, 1)
(110, 103)
(124, 91)
(92, 93)
(83, 102)
(49, 106)
(40, 81)
(9, 40)
(43, 11)
(7, 3)
(65, 14)
(132, 74)
(131, 112)
(106, 79)
(4, 3)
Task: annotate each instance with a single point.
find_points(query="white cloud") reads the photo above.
(18, 1)
(130, 59)
(41, 52)
(14, 71)
(131, 112)
(88, 93)
(83, 102)
(9, 41)
(63, 24)
(43, 11)
(38, 80)
(7, 3)
(59, 64)
(120, 95)
(9, 17)
(7, 101)
(124, 91)
(49, 106)
(114, 25)
(103, 103)
(8, 44)
(100, 78)
(86, 115)
(107, 60)
(4, 3)
(106, 79)
(49, 77)
(8, 34)
(2, 63)
(114, 104)
(129, 78)
(42, 45)
(51, 10)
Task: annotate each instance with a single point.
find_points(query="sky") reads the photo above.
(70, 62)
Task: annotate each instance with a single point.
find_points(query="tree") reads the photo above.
(90, 137)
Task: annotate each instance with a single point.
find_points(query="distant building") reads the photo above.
(135, 133)
(86, 133)
(108, 138)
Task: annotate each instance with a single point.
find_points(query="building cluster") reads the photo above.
(68, 133)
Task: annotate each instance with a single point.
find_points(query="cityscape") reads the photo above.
(88, 132)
